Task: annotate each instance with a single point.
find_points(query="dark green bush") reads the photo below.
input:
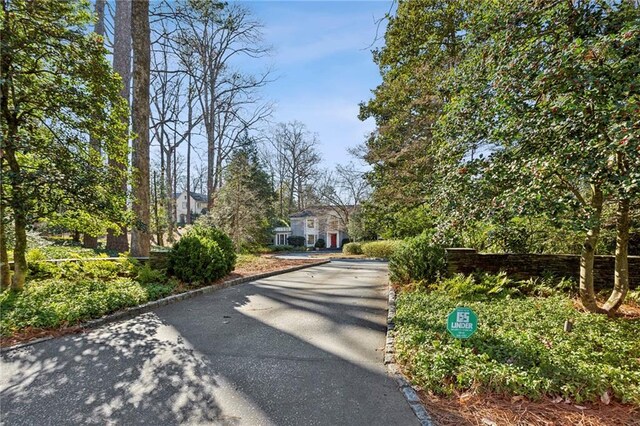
(320, 243)
(380, 249)
(352, 248)
(344, 241)
(195, 259)
(417, 259)
(223, 241)
(296, 241)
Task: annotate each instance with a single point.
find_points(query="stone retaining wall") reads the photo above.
(525, 266)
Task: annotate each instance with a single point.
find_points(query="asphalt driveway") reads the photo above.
(304, 348)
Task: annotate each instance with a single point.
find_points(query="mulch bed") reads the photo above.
(497, 410)
(266, 264)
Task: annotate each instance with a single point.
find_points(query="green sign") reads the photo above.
(462, 323)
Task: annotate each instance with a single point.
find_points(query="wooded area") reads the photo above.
(511, 126)
(103, 109)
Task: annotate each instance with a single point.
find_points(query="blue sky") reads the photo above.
(322, 58)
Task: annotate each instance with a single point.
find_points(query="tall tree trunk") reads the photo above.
(174, 204)
(122, 65)
(189, 126)
(140, 239)
(169, 196)
(621, 281)
(20, 250)
(211, 161)
(5, 274)
(155, 211)
(90, 241)
(587, 257)
(211, 140)
(18, 203)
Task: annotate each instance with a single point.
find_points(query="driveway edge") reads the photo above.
(149, 306)
(407, 390)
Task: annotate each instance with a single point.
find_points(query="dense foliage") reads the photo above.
(64, 294)
(296, 241)
(380, 249)
(205, 230)
(196, 259)
(352, 248)
(244, 207)
(417, 259)
(58, 93)
(510, 126)
(520, 347)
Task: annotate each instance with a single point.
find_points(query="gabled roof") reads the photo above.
(315, 211)
(199, 197)
(196, 196)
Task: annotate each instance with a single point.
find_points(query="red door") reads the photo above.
(334, 240)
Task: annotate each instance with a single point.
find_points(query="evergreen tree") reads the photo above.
(244, 206)
(57, 92)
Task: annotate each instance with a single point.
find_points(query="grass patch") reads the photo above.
(520, 347)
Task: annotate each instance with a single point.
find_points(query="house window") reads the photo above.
(310, 223)
(282, 239)
(311, 240)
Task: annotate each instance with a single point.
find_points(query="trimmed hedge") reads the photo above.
(296, 241)
(352, 248)
(320, 243)
(381, 249)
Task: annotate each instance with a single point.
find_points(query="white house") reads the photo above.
(198, 205)
(313, 224)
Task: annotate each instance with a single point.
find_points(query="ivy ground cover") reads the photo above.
(520, 348)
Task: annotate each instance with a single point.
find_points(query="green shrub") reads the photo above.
(484, 286)
(320, 243)
(77, 270)
(296, 241)
(54, 303)
(223, 241)
(520, 347)
(352, 248)
(196, 259)
(344, 241)
(417, 259)
(380, 249)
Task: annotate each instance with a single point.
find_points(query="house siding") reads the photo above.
(325, 224)
(297, 226)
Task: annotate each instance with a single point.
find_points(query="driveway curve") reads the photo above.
(303, 348)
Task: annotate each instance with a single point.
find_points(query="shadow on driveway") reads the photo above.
(304, 348)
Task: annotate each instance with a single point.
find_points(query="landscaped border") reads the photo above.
(410, 394)
(149, 306)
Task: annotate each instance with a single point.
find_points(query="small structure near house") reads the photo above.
(198, 206)
(315, 223)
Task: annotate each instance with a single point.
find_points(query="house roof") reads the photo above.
(199, 197)
(196, 196)
(315, 211)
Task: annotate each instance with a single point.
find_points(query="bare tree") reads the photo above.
(141, 42)
(296, 157)
(217, 36)
(343, 190)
